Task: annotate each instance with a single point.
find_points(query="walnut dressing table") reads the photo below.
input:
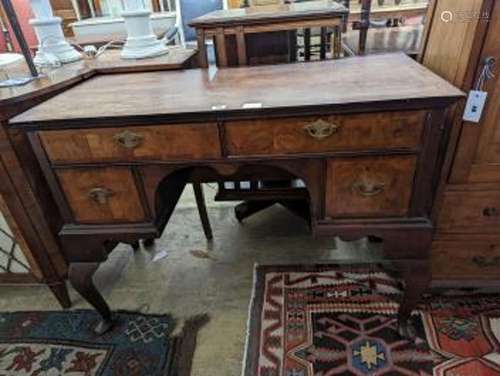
(364, 134)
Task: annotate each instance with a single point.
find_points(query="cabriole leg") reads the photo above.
(81, 278)
(417, 278)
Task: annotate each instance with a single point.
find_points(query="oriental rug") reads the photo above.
(63, 343)
(338, 320)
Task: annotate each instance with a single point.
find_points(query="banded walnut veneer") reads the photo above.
(364, 135)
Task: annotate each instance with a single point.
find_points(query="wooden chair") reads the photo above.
(202, 211)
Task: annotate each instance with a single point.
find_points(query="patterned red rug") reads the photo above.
(332, 320)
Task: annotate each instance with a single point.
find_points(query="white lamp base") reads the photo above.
(52, 42)
(141, 41)
(143, 47)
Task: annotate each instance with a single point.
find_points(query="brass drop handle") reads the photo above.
(100, 195)
(321, 129)
(490, 212)
(367, 188)
(128, 140)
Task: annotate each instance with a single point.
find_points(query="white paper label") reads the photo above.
(252, 105)
(475, 106)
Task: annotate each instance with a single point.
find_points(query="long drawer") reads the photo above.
(465, 260)
(103, 195)
(470, 212)
(161, 142)
(325, 133)
(369, 187)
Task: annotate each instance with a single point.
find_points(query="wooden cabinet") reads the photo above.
(472, 260)
(467, 240)
(470, 212)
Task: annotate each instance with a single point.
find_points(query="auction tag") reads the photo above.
(475, 106)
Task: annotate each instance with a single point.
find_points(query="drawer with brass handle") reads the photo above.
(128, 139)
(101, 195)
(470, 211)
(321, 134)
(472, 260)
(368, 187)
(159, 142)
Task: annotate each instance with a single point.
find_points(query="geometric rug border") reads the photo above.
(251, 354)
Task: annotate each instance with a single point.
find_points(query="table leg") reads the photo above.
(81, 278)
(220, 45)
(337, 42)
(292, 45)
(202, 49)
(402, 247)
(323, 43)
(417, 278)
(60, 291)
(241, 46)
(307, 44)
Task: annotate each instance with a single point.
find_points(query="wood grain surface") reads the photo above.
(264, 14)
(122, 205)
(361, 80)
(186, 141)
(349, 132)
(364, 187)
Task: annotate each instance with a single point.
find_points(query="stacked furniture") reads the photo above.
(466, 247)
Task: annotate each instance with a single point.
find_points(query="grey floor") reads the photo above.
(185, 282)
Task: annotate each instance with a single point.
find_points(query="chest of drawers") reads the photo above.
(365, 146)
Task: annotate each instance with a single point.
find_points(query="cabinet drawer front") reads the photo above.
(176, 142)
(465, 260)
(102, 195)
(367, 187)
(325, 134)
(470, 212)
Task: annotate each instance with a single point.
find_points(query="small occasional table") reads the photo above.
(236, 31)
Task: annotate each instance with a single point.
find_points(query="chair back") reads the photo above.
(190, 9)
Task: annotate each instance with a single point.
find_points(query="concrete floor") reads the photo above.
(185, 285)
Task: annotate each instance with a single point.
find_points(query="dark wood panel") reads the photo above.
(325, 134)
(186, 141)
(466, 212)
(366, 187)
(102, 195)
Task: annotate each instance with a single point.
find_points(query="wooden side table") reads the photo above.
(231, 29)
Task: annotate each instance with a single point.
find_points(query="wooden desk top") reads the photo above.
(264, 14)
(338, 85)
(108, 62)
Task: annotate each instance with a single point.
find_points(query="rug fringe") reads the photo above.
(185, 344)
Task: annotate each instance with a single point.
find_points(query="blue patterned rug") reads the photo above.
(60, 343)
